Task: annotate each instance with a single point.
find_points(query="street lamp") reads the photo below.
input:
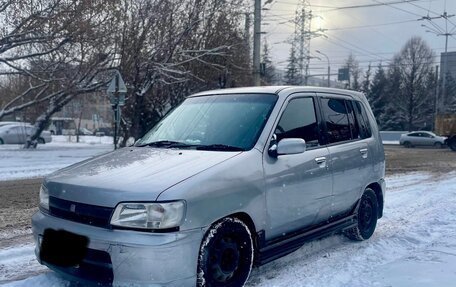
(329, 67)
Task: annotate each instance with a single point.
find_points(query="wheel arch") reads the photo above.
(247, 220)
(375, 186)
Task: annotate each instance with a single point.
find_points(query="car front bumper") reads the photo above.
(138, 258)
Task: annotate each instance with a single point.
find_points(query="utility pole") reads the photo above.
(439, 31)
(436, 90)
(329, 66)
(302, 36)
(257, 43)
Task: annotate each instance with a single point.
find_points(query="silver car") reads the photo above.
(229, 180)
(17, 134)
(422, 138)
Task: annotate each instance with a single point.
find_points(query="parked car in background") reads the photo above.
(17, 134)
(228, 180)
(12, 123)
(422, 138)
(103, 132)
(85, 132)
(62, 126)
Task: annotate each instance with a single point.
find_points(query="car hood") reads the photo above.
(130, 174)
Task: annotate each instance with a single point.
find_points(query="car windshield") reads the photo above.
(216, 122)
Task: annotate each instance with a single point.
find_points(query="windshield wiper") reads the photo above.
(219, 147)
(165, 143)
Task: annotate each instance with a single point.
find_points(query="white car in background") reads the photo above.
(422, 138)
(18, 133)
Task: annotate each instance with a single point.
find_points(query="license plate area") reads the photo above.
(63, 248)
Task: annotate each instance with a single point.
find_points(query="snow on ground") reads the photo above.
(19, 163)
(414, 245)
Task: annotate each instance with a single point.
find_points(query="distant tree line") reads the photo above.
(401, 92)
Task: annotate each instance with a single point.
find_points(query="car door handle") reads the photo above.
(363, 152)
(320, 160)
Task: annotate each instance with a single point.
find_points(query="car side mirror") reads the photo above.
(288, 146)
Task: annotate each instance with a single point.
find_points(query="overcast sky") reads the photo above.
(366, 32)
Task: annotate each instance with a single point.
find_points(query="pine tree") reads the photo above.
(268, 77)
(292, 72)
(377, 92)
(366, 86)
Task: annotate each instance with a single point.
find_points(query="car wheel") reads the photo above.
(41, 141)
(226, 254)
(367, 217)
(408, 144)
(1, 141)
(452, 145)
(438, 145)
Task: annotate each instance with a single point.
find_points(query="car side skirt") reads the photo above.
(278, 247)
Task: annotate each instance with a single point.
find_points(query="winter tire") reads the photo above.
(226, 254)
(408, 145)
(438, 145)
(1, 142)
(367, 217)
(452, 144)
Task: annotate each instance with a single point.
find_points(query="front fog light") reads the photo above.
(44, 197)
(155, 215)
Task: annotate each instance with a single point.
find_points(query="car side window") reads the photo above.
(14, 130)
(335, 115)
(352, 120)
(299, 121)
(414, 135)
(363, 120)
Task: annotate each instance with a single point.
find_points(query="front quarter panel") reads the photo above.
(233, 186)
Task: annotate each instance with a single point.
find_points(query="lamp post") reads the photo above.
(329, 67)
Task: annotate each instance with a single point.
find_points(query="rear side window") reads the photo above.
(335, 115)
(299, 121)
(363, 120)
(352, 120)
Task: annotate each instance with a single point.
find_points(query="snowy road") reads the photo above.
(414, 245)
(17, 163)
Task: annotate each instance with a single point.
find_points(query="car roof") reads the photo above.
(281, 91)
(421, 132)
(7, 126)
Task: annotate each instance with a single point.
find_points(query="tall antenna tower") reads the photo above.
(303, 35)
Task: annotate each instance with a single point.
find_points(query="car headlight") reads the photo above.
(44, 197)
(157, 215)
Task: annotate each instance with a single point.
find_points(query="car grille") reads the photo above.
(80, 212)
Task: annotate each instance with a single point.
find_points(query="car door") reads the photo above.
(22, 134)
(12, 136)
(298, 186)
(349, 154)
(427, 139)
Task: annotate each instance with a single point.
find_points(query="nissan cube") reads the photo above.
(228, 180)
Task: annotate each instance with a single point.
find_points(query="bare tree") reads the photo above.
(413, 99)
(169, 49)
(59, 48)
(354, 72)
